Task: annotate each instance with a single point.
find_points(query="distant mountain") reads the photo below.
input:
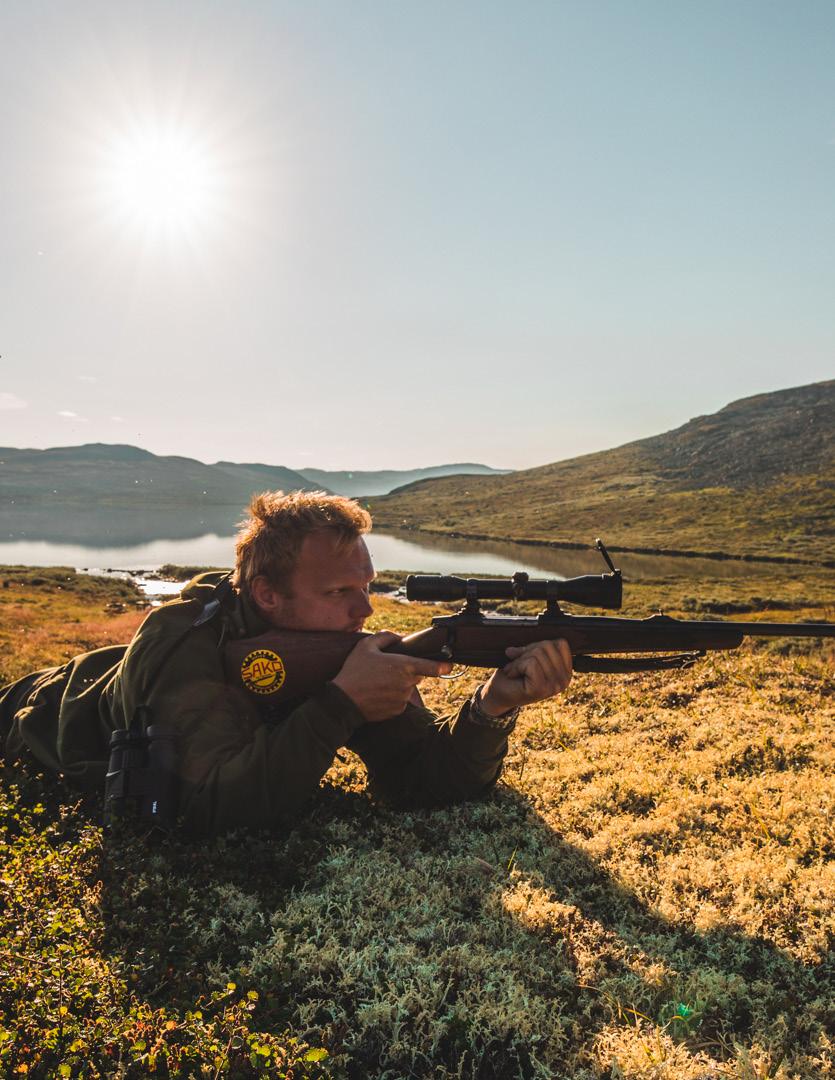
(99, 475)
(126, 476)
(757, 477)
(386, 480)
(266, 477)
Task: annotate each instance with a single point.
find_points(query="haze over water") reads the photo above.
(414, 552)
(388, 553)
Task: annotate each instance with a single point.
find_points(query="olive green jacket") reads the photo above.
(236, 768)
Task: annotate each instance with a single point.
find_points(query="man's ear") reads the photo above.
(265, 595)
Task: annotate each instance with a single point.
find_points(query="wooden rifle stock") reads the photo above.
(283, 665)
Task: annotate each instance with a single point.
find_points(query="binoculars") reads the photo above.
(142, 784)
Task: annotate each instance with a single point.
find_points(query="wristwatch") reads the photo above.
(505, 722)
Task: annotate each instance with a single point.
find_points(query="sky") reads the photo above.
(388, 234)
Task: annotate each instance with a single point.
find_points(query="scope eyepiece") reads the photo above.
(591, 590)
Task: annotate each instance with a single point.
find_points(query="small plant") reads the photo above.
(681, 1019)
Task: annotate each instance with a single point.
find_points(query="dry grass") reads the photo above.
(49, 615)
(648, 894)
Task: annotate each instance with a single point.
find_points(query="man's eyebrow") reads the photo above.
(348, 582)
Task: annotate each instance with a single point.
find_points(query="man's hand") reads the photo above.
(382, 684)
(534, 673)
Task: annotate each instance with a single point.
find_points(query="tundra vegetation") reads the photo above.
(649, 892)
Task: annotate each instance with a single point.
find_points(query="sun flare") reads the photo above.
(163, 179)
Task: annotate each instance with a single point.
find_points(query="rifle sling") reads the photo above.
(623, 665)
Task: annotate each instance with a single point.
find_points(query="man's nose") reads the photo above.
(362, 606)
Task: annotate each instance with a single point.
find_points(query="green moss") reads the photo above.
(69, 1005)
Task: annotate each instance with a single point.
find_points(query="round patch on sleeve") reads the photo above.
(263, 672)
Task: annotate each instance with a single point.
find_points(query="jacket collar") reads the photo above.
(240, 615)
(247, 619)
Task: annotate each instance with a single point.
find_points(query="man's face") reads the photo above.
(328, 589)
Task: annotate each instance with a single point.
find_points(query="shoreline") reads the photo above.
(568, 545)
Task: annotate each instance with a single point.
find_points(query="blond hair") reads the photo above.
(270, 538)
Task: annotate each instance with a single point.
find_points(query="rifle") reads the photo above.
(283, 665)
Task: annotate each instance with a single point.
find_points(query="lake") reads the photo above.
(127, 540)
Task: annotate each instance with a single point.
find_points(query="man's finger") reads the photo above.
(514, 668)
(520, 665)
(520, 668)
(565, 652)
(555, 662)
(540, 673)
(414, 666)
(553, 651)
(557, 648)
(556, 658)
(543, 666)
(429, 668)
(381, 640)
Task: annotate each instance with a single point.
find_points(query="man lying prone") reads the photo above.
(301, 564)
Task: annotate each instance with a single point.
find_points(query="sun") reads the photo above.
(162, 179)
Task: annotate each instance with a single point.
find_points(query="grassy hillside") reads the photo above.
(647, 895)
(756, 478)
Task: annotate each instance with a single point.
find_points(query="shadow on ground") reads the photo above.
(468, 941)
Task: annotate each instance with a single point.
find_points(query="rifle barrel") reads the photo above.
(774, 629)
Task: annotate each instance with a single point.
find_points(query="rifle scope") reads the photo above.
(592, 590)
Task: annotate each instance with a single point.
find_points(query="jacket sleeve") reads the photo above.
(235, 769)
(418, 759)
